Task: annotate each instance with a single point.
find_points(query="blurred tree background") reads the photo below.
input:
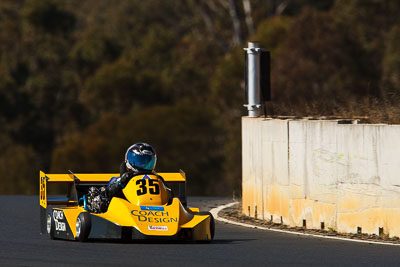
(80, 81)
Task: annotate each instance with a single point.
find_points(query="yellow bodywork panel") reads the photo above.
(193, 210)
(103, 177)
(160, 220)
(81, 177)
(146, 190)
(173, 176)
(196, 220)
(42, 190)
(89, 178)
(71, 214)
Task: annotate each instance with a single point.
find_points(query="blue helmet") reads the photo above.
(141, 157)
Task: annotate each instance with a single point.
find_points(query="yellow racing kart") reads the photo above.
(148, 210)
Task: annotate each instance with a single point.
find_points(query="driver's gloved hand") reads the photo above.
(126, 177)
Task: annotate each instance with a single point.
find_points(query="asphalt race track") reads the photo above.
(22, 245)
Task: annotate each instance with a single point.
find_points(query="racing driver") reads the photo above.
(140, 158)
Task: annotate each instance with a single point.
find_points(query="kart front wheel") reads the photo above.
(83, 226)
(50, 225)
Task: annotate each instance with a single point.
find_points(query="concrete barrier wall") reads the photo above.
(315, 171)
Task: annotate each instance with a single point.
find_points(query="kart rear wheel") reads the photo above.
(50, 224)
(212, 223)
(83, 226)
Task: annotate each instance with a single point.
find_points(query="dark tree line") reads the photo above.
(82, 80)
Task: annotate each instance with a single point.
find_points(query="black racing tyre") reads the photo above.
(50, 226)
(170, 196)
(212, 222)
(83, 226)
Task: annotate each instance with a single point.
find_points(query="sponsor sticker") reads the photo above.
(59, 215)
(157, 208)
(158, 228)
(153, 216)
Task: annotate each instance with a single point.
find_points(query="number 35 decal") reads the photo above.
(152, 187)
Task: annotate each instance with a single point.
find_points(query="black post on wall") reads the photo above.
(265, 71)
(257, 74)
(246, 77)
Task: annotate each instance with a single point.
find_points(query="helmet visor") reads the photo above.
(144, 162)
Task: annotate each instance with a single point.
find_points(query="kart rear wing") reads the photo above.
(94, 179)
